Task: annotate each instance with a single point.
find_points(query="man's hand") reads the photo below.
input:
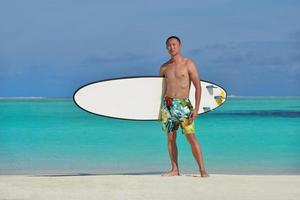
(193, 114)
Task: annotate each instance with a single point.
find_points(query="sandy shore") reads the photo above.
(184, 187)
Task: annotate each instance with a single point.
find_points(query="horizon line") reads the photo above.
(60, 97)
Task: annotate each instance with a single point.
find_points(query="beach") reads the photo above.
(185, 186)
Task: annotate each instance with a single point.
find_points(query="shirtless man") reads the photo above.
(176, 108)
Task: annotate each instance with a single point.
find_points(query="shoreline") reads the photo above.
(158, 169)
(104, 172)
(140, 174)
(185, 186)
(71, 97)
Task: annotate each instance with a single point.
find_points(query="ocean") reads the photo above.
(246, 135)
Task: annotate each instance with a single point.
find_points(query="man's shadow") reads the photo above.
(98, 174)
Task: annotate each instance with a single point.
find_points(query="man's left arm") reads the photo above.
(195, 78)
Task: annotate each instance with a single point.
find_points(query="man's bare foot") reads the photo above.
(172, 173)
(203, 174)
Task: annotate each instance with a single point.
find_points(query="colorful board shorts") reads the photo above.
(176, 112)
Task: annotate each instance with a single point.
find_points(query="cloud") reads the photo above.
(112, 58)
(251, 68)
(269, 56)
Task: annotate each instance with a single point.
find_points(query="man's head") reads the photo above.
(173, 45)
(173, 37)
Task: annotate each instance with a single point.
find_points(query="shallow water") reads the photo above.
(243, 136)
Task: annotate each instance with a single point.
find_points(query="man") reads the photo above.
(176, 108)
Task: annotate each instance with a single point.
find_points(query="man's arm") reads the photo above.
(195, 78)
(162, 74)
(162, 70)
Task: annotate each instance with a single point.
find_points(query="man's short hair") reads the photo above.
(175, 37)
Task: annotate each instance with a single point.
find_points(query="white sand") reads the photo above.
(184, 187)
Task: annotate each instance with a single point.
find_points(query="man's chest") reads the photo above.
(174, 71)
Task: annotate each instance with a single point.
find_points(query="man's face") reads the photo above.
(173, 46)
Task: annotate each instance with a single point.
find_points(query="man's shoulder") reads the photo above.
(164, 65)
(163, 68)
(188, 61)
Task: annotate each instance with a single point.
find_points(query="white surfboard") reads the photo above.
(139, 98)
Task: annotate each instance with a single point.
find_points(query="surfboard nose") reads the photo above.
(220, 98)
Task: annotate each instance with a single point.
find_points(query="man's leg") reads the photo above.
(173, 153)
(196, 149)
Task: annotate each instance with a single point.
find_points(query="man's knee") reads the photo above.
(191, 138)
(172, 137)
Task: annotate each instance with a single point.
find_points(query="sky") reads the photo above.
(51, 48)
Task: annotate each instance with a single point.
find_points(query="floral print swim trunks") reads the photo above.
(175, 112)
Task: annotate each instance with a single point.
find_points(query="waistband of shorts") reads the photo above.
(186, 98)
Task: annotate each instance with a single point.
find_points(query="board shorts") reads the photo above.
(175, 112)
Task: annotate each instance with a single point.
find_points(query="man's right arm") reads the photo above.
(162, 70)
(162, 74)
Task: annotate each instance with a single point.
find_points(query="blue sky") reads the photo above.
(50, 48)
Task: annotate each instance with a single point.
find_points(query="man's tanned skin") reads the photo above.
(179, 72)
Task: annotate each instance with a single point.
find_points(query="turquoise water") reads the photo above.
(243, 136)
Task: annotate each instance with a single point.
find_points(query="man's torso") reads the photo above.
(177, 78)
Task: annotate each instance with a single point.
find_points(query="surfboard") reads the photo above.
(139, 97)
